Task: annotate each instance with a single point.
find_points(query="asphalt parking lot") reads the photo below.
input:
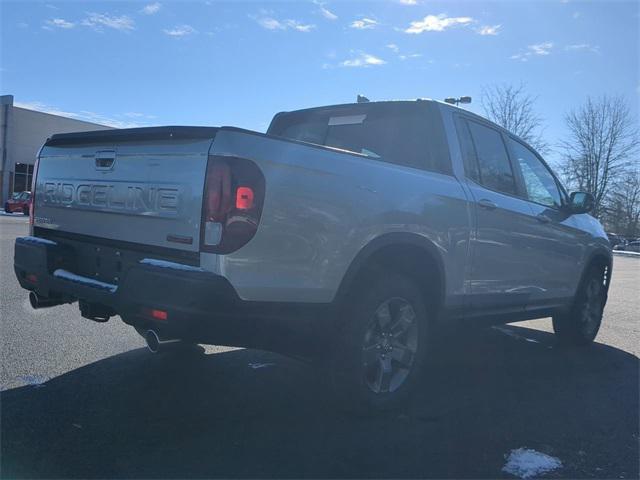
(85, 400)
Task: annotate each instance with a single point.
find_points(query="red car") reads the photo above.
(19, 202)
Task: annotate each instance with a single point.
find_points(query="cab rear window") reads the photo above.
(398, 134)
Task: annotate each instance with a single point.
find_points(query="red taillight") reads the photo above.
(232, 204)
(32, 203)
(159, 314)
(155, 313)
(244, 198)
(32, 278)
(218, 187)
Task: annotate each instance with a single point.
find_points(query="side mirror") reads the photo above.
(581, 202)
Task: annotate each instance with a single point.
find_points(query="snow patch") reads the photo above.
(13, 214)
(172, 265)
(42, 241)
(89, 282)
(36, 381)
(527, 463)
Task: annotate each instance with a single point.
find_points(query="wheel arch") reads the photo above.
(406, 253)
(600, 257)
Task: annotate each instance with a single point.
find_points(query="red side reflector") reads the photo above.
(32, 278)
(158, 314)
(244, 198)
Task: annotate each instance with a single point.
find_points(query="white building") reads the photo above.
(22, 133)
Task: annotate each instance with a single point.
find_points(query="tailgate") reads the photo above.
(140, 185)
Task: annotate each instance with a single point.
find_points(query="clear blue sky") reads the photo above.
(237, 63)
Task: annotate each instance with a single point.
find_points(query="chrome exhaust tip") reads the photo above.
(155, 344)
(33, 300)
(37, 301)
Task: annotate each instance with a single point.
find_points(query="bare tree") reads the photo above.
(621, 211)
(511, 107)
(601, 139)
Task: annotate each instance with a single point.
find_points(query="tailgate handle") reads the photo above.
(105, 159)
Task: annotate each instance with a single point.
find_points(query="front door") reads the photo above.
(558, 246)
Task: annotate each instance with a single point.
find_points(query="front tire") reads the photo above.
(580, 325)
(381, 349)
(6, 208)
(25, 210)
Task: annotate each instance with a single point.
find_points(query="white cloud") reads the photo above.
(364, 23)
(405, 56)
(325, 12)
(408, 2)
(541, 48)
(151, 9)
(489, 29)
(99, 20)
(437, 23)
(138, 115)
(59, 23)
(271, 23)
(301, 27)
(538, 49)
(181, 31)
(582, 47)
(23, 25)
(87, 116)
(363, 59)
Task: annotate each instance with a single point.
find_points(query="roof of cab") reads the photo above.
(359, 105)
(439, 103)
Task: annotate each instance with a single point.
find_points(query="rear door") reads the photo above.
(502, 248)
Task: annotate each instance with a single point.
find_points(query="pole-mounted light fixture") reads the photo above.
(457, 101)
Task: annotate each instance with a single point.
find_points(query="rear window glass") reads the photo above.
(389, 133)
(495, 168)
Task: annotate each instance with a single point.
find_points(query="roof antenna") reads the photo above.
(362, 99)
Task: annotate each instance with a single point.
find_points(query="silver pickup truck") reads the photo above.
(346, 233)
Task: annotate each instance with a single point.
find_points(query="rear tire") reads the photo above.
(6, 208)
(580, 325)
(381, 349)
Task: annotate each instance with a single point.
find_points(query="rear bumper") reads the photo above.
(200, 305)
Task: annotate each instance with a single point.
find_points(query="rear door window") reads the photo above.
(494, 167)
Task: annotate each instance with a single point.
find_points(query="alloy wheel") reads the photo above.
(390, 345)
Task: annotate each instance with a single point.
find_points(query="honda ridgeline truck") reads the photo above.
(345, 233)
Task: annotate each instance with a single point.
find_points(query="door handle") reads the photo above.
(542, 218)
(488, 204)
